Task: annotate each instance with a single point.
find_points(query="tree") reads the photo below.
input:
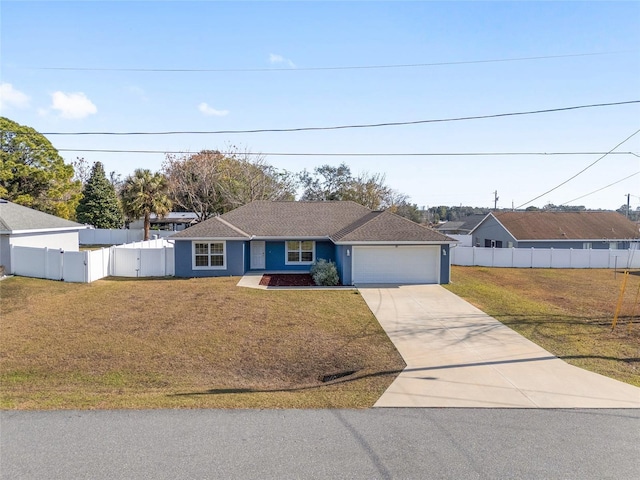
(209, 182)
(246, 179)
(32, 173)
(99, 205)
(407, 210)
(82, 170)
(328, 183)
(633, 215)
(144, 193)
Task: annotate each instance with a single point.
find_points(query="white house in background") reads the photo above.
(173, 221)
(25, 227)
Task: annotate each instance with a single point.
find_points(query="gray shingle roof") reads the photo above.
(568, 225)
(465, 225)
(389, 227)
(341, 221)
(214, 227)
(16, 218)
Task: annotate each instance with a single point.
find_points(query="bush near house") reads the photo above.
(325, 273)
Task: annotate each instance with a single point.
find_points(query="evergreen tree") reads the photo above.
(99, 205)
(33, 174)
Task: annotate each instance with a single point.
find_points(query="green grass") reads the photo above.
(567, 312)
(196, 343)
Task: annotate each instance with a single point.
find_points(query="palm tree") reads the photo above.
(144, 193)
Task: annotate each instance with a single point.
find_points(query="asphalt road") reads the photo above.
(306, 444)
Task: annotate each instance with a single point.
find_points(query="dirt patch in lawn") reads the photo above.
(287, 280)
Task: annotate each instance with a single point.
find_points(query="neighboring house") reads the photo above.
(173, 221)
(462, 226)
(367, 246)
(578, 230)
(25, 227)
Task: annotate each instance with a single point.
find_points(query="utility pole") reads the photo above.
(628, 203)
(495, 200)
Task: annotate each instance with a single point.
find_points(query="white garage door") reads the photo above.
(402, 264)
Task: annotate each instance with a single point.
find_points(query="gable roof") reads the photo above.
(567, 225)
(16, 218)
(388, 227)
(339, 221)
(466, 224)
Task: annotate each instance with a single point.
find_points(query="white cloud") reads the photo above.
(10, 97)
(72, 105)
(275, 59)
(207, 110)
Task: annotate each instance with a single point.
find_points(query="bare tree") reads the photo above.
(337, 183)
(82, 170)
(210, 182)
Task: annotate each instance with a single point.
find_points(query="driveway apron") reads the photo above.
(457, 356)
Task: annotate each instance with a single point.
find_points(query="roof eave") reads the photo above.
(397, 242)
(632, 239)
(207, 239)
(44, 230)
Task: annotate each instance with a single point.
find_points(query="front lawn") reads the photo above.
(194, 343)
(567, 312)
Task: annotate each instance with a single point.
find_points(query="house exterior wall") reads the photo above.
(68, 241)
(276, 256)
(577, 245)
(235, 257)
(490, 229)
(5, 252)
(343, 263)
(445, 264)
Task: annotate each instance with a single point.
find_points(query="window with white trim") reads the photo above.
(300, 252)
(209, 255)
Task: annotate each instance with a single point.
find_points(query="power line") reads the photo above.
(598, 190)
(351, 154)
(581, 171)
(311, 69)
(342, 127)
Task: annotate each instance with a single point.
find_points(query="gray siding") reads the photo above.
(490, 229)
(578, 245)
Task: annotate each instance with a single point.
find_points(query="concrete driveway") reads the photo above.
(457, 356)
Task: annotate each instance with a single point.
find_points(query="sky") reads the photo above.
(208, 66)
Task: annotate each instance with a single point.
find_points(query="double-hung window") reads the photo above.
(209, 255)
(300, 252)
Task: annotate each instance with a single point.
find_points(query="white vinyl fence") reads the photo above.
(154, 258)
(100, 236)
(545, 257)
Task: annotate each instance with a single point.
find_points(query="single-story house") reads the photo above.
(462, 226)
(578, 230)
(173, 221)
(25, 227)
(284, 236)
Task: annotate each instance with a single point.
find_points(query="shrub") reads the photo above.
(324, 273)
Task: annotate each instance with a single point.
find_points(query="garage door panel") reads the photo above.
(401, 264)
